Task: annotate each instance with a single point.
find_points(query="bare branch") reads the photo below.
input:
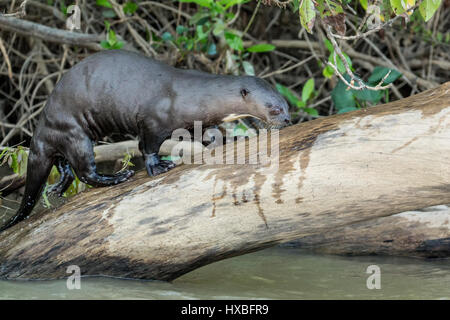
(338, 51)
(378, 28)
(45, 33)
(20, 13)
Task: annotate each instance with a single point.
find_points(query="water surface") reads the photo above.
(275, 273)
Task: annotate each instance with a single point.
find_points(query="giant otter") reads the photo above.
(125, 92)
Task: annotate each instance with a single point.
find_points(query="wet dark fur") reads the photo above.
(122, 92)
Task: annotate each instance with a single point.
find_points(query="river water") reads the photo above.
(275, 273)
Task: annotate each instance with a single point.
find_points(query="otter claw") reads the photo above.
(124, 175)
(161, 167)
(56, 189)
(167, 163)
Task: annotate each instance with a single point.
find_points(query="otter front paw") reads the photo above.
(155, 166)
(161, 167)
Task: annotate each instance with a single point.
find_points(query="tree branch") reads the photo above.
(28, 28)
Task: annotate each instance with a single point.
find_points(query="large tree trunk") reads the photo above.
(333, 172)
(423, 233)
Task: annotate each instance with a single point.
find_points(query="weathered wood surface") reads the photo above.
(422, 233)
(333, 172)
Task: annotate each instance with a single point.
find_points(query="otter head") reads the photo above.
(257, 98)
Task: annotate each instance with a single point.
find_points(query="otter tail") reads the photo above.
(39, 165)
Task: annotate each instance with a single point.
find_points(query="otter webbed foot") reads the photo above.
(103, 180)
(156, 166)
(65, 180)
(60, 187)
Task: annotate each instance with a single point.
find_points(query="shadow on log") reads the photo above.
(333, 172)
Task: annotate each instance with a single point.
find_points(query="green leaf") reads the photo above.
(340, 65)
(347, 109)
(248, 68)
(219, 27)
(363, 4)
(368, 95)
(400, 6)
(202, 3)
(200, 33)
(234, 41)
(240, 130)
(105, 44)
(14, 163)
(378, 74)
(307, 14)
(181, 29)
(212, 50)
(111, 37)
(108, 13)
(288, 94)
(3, 153)
(104, 3)
(167, 36)
(428, 7)
(308, 89)
(311, 111)
(190, 44)
(328, 72)
(262, 47)
(329, 45)
(63, 7)
(197, 19)
(343, 98)
(23, 160)
(117, 45)
(301, 104)
(130, 7)
(230, 3)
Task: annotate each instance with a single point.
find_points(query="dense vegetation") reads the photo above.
(324, 56)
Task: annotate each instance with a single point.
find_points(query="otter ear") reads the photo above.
(244, 92)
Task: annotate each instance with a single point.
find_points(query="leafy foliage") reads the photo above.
(111, 41)
(346, 99)
(300, 103)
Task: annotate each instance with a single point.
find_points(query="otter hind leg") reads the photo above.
(66, 178)
(81, 156)
(39, 165)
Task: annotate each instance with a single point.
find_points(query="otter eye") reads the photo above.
(275, 110)
(244, 92)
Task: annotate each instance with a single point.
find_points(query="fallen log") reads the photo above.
(333, 172)
(11, 183)
(424, 233)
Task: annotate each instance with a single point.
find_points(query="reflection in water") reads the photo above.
(276, 273)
